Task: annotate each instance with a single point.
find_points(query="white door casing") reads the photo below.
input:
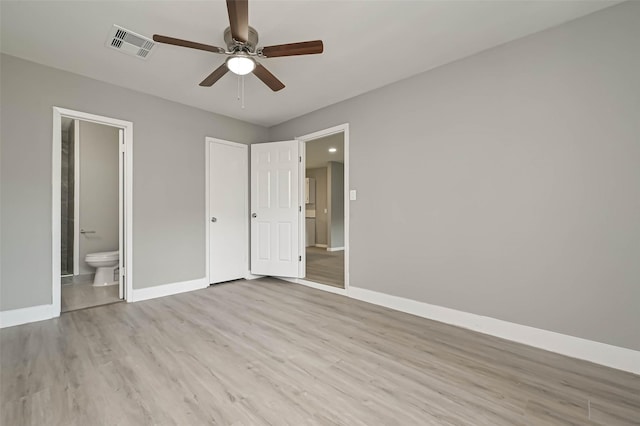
(275, 209)
(121, 224)
(228, 210)
(127, 201)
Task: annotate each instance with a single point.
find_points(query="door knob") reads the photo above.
(213, 219)
(253, 215)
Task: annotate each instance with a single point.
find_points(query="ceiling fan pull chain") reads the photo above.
(242, 92)
(238, 87)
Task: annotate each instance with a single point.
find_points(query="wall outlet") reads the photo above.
(352, 195)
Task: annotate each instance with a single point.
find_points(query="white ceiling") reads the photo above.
(317, 151)
(363, 42)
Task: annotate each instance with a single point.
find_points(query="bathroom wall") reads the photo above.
(98, 190)
(67, 198)
(320, 175)
(335, 177)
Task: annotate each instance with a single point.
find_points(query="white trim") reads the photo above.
(76, 197)
(342, 128)
(326, 132)
(26, 315)
(249, 276)
(575, 347)
(207, 142)
(121, 221)
(335, 248)
(127, 126)
(302, 220)
(56, 213)
(321, 245)
(324, 287)
(168, 289)
(207, 225)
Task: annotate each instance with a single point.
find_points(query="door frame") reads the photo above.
(341, 128)
(76, 197)
(208, 141)
(126, 190)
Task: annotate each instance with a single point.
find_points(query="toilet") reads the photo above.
(106, 264)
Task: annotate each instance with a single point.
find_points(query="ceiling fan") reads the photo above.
(242, 50)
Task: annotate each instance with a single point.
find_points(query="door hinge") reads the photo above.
(300, 159)
(299, 258)
(300, 208)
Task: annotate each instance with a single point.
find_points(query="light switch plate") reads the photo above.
(352, 195)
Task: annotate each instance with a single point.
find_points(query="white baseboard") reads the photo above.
(317, 286)
(575, 347)
(139, 294)
(250, 276)
(320, 245)
(26, 315)
(335, 248)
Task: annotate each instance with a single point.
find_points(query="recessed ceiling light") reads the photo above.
(332, 149)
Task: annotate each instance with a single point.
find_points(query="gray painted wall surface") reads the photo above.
(335, 179)
(169, 176)
(98, 190)
(511, 183)
(320, 175)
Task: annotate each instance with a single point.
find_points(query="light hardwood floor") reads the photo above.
(269, 352)
(325, 267)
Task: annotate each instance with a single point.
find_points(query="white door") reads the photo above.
(228, 239)
(275, 209)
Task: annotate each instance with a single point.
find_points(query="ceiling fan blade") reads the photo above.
(215, 76)
(186, 43)
(239, 19)
(293, 49)
(267, 78)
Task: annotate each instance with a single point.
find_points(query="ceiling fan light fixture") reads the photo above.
(241, 65)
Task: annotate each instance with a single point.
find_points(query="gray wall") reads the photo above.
(99, 195)
(335, 179)
(168, 180)
(320, 175)
(506, 184)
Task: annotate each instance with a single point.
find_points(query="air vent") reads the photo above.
(129, 42)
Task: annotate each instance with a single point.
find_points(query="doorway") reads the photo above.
(92, 210)
(325, 210)
(278, 208)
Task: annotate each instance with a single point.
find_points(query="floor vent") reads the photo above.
(129, 42)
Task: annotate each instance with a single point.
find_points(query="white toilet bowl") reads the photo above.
(106, 264)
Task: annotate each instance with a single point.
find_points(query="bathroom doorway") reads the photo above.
(326, 210)
(90, 210)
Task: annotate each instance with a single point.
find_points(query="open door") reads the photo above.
(275, 209)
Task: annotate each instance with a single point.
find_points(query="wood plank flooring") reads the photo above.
(325, 267)
(266, 352)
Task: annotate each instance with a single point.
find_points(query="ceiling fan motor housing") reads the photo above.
(251, 44)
